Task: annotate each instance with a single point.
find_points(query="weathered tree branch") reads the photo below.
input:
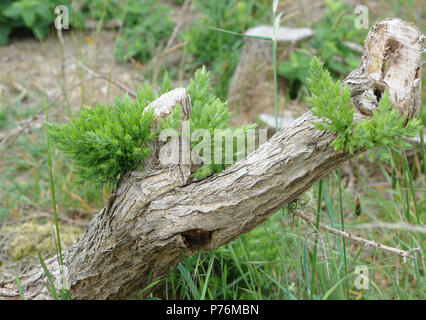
(155, 217)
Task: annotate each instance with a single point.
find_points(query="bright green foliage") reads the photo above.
(210, 113)
(331, 34)
(331, 101)
(105, 142)
(384, 130)
(328, 99)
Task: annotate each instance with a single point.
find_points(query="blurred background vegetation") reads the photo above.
(134, 41)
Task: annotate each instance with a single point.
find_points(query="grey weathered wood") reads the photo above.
(156, 216)
(391, 62)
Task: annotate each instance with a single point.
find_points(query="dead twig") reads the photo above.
(176, 29)
(175, 47)
(391, 226)
(347, 235)
(12, 137)
(96, 74)
(8, 141)
(131, 92)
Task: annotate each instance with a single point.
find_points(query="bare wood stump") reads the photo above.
(390, 62)
(155, 217)
(251, 89)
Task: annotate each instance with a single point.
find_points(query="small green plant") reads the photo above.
(385, 130)
(210, 113)
(105, 142)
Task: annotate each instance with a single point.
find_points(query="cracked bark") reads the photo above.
(155, 217)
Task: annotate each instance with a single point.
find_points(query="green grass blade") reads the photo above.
(343, 229)
(52, 191)
(314, 255)
(192, 287)
(206, 281)
(18, 284)
(51, 285)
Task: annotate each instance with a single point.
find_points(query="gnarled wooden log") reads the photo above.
(155, 216)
